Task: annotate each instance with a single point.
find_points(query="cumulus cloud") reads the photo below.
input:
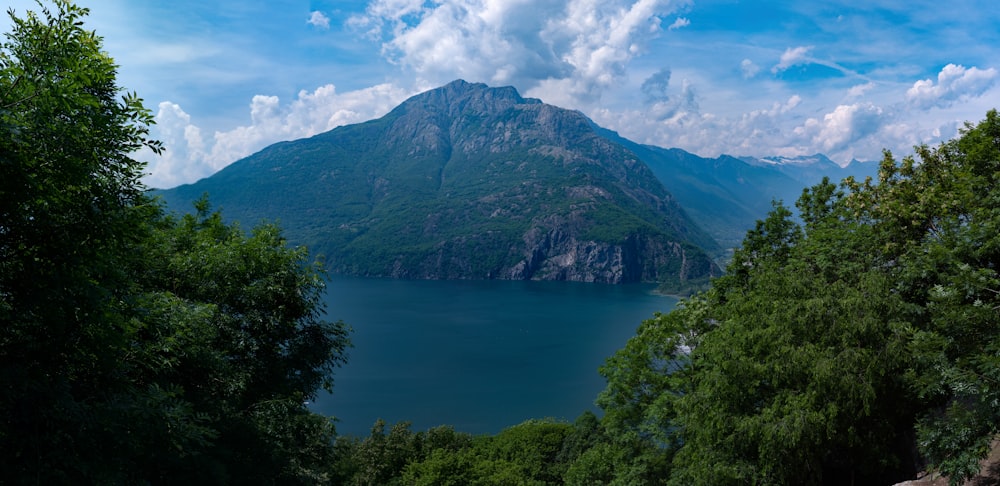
(188, 157)
(578, 54)
(679, 23)
(183, 158)
(758, 132)
(566, 52)
(776, 109)
(673, 106)
(318, 19)
(572, 50)
(571, 53)
(954, 83)
(844, 125)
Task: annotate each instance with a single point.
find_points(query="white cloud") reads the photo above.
(793, 57)
(674, 106)
(859, 90)
(571, 50)
(318, 19)
(844, 125)
(183, 158)
(954, 83)
(655, 87)
(679, 23)
(188, 157)
(756, 132)
(749, 69)
(396, 13)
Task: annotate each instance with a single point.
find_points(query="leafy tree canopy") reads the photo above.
(135, 346)
(856, 346)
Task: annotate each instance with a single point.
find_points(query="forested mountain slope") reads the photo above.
(468, 181)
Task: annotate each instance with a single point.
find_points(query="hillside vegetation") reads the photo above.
(855, 347)
(135, 347)
(855, 344)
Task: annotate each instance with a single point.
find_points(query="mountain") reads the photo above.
(467, 182)
(726, 195)
(810, 169)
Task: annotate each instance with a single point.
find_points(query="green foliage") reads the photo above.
(834, 349)
(69, 205)
(952, 270)
(136, 347)
(526, 450)
(798, 384)
(255, 350)
(648, 376)
(684, 288)
(386, 459)
(536, 452)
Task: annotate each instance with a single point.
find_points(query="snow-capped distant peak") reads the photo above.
(801, 160)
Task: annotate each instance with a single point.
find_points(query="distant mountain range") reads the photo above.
(468, 181)
(726, 195)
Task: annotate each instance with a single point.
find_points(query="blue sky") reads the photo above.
(226, 78)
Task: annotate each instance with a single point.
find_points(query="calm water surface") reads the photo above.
(479, 355)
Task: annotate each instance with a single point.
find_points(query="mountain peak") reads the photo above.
(468, 181)
(800, 160)
(461, 96)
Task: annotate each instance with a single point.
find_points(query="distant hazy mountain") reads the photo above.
(467, 181)
(726, 195)
(810, 169)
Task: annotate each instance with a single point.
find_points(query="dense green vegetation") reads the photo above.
(856, 344)
(137, 347)
(536, 452)
(856, 347)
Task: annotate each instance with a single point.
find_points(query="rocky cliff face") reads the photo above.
(556, 255)
(467, 181)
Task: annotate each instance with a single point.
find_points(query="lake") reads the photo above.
(478, 355)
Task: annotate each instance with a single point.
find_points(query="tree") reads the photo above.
(799, 381)
(951, 265)
(70, 200)
(234, 323)
(840, 346)
(135, 346)
(652, 372)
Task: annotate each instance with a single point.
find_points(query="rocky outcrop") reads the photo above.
(558, 255)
